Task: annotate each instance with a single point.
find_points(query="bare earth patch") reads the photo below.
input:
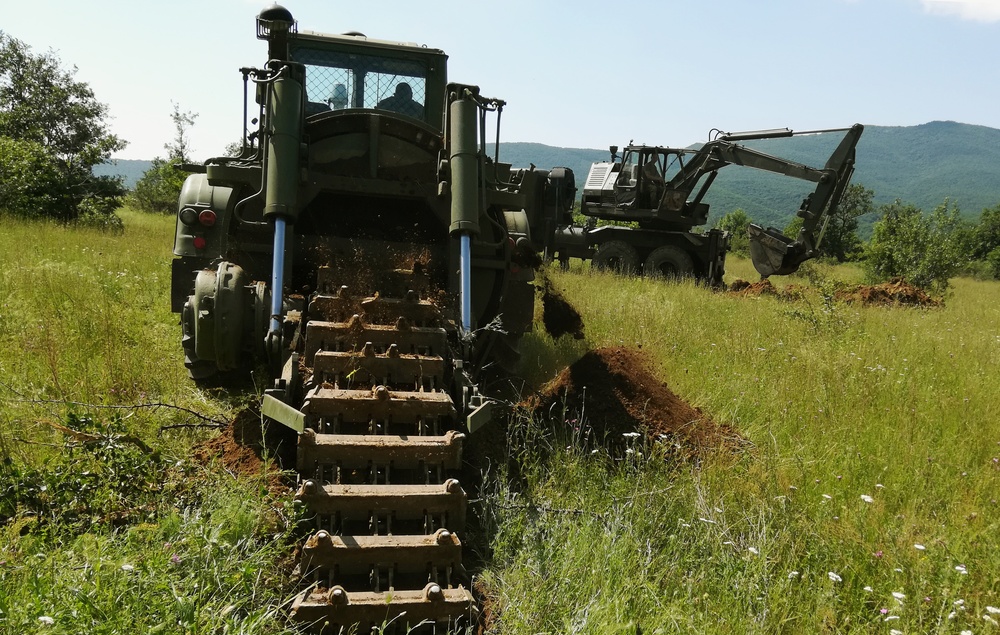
(746, 289)
(896, 292)
(615, 392)
(246, 447)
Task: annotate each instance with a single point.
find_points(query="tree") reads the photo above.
(30, 178)
(925, 250)
(160, 186)
(179, 149)
(737, 223)
(45, 109)
(985, 236)
(840, 238)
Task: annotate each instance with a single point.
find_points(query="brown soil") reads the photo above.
(246, 447)
(896, 292)
(746, 289)
(558, 316)
(614, 392)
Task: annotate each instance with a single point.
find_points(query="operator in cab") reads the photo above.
(402, 102)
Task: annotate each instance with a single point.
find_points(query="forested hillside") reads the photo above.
(921, 164)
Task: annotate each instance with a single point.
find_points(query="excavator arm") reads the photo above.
(771, 251)
(774, 253)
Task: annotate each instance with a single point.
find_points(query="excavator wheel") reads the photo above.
(617, 256)
(668, 262)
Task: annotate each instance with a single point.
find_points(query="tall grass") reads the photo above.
(872, 470)
(85, 317)
(106, 525)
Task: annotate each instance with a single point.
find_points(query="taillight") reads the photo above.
(199, 242)
(189, 216)
(207, 218)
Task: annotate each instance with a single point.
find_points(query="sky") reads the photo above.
(580, 74)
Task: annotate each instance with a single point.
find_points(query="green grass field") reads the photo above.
(864, 499)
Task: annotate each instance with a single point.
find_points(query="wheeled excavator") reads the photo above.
(660, 191)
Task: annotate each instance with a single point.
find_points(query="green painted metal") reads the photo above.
(286, 415)
(283, 139)
(464, 162)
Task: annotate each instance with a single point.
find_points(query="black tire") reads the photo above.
(668, 262)
(617, 256)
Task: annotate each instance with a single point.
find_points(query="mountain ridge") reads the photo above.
(922, 165)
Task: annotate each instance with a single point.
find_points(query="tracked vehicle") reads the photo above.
(366, 253)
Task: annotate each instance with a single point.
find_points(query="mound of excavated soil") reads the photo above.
(896, 292)
(243, 447)
(558, 316)
(614, 392)
(746, 289)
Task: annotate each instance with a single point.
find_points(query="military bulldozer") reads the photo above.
(650, 198)
(366, 253)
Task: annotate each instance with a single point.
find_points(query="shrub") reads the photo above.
(159, 187)
(925, 250)
(736, 223)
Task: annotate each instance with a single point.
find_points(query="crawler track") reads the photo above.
(377, 462)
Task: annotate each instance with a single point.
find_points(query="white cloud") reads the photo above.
(977, 10)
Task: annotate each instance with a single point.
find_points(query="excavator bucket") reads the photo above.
(774, 253)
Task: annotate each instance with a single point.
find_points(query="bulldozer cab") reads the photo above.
(353, 72)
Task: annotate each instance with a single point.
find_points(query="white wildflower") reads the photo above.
(753, 550)
(952, 615)
(127, 568)
(630, 435)
(889, 618)
(992, 609)
(833, 576)
(959, 602)
(898, 595)
(879, 486)
(868, 588)
(46, 620)
(961, 569)
(827, 497)
(895, 631)
(792, 575)
(866, 498)
(919, 547)
(990, 620)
